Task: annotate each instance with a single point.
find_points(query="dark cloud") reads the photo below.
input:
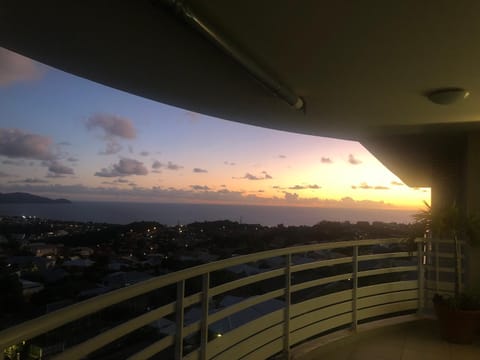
(396, 183)
(112, 126)
(380, 187)
(17, 68)
(4, 175)
(229, 163)
(282, 156)
(199, 170)
(64, 143)
(15, 143)
(72, 159)
(56, 168)
(157, 164)
(174, 167)
(125, 167)
(144, 153)
(121, 181)
(305, 187)
(326, 160)
(353, 160)
(200, 187)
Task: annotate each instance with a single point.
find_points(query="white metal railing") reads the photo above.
(332, 301)
(439, 260)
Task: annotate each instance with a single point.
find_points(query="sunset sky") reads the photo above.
(64, 136)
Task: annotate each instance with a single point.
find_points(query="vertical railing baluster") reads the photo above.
(204, 324)
(421, 278)
(355, 287)
(460, 267)
(437, 272)
(288, 301)
(179, 320)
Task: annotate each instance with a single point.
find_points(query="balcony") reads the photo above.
(253, 306)
(411, 340)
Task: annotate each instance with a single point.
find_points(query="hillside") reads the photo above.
(25, 198)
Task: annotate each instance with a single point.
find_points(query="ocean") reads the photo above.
(172, 214)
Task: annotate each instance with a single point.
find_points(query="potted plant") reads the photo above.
(458, 315)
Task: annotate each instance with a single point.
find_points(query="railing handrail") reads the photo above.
(47, 322)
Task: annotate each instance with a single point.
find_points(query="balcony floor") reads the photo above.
(409, 341)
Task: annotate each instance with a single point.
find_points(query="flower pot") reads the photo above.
(457, 326)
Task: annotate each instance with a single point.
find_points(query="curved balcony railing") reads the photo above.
(285, 297)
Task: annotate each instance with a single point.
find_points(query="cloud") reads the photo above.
(112, 147)
(291, 197)
(248, 176)
(72, 159)
(15, 143)
(55, 168)
(157, 164)
(200, 187)
(14, 162)
(282, 156)
(171, 194)
(198, 170)
(125, 167)
(305, 187)
(112, 126)
(4, 175)
(29, 181)
(144, 153)
(352, 160)
(121, 181)
(174, 167)
(365, 186)
(17, 68)
(396, 183)
(326, 160)
(229, 163)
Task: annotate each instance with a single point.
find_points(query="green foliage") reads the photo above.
(451, 223)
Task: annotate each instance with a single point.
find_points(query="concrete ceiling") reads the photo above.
(362, 67)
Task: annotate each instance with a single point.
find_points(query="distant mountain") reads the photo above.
(25, 198)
